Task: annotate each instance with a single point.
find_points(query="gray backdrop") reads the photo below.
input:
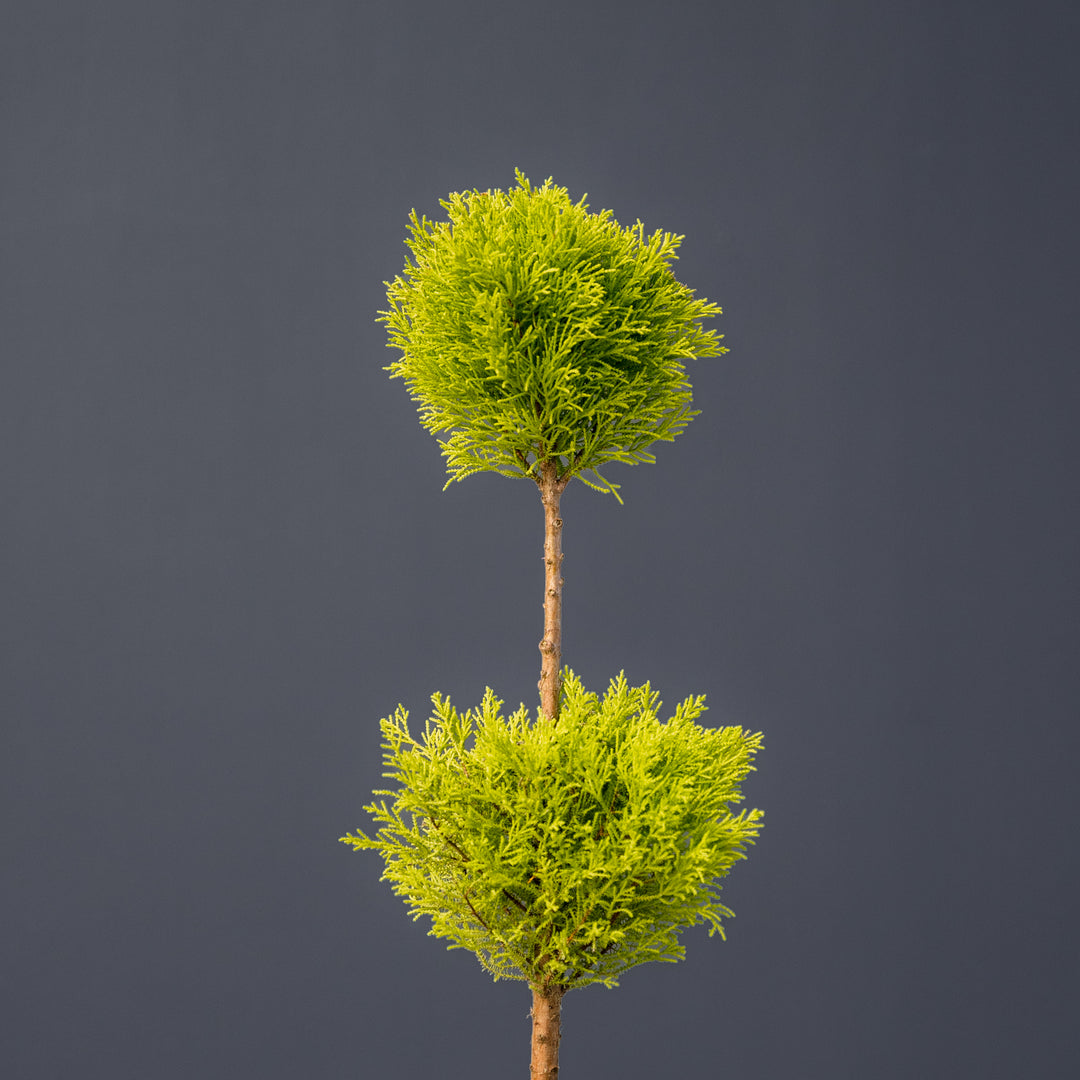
(226, 553)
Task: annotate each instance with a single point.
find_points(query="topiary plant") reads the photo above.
(561, 850)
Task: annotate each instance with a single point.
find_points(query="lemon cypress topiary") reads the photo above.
(544, 342)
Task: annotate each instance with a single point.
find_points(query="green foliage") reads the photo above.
(564, 853)
(532, 330)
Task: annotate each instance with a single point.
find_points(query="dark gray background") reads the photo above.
(227, 555)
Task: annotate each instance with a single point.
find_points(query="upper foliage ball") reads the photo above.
(534, 331)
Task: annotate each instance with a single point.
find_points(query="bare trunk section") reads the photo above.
(547, 1002)
(546, 1025)
(550, 685)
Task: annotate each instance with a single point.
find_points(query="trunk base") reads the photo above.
(546, 1032)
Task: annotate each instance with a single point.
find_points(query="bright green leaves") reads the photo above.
(532, 330)
(564, 854)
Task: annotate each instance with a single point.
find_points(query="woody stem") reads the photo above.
(551, 489)
(546, 1032)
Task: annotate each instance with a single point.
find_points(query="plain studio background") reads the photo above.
(226, 553)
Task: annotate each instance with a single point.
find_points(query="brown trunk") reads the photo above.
(546, 1023)
(547, 1004)
(551, 489)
